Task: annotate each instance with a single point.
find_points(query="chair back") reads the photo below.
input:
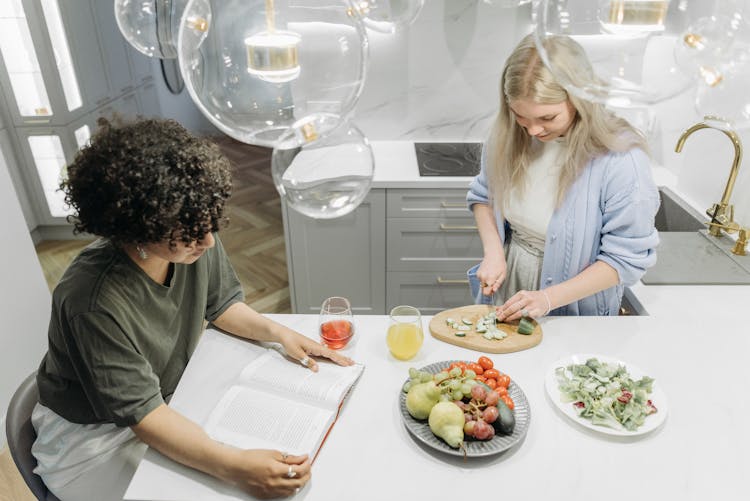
(21, 434)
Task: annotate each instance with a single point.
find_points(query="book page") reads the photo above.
(253, 419)
(328, 386)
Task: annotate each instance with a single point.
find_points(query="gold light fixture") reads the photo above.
(272, 54)
(636, 15)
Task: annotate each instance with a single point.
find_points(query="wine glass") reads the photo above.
(336, 323)
(405, 334)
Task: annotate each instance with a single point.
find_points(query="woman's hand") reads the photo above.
(301, 347)
(491, 273)
(269, 474)
(532, 304)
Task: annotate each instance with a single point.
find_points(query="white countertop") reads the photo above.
(694, 343)
(396, 167)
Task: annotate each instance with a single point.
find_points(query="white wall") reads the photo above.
(24, 299)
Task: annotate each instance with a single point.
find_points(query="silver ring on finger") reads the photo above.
(305, 361)
(291, 473)
(524, 312)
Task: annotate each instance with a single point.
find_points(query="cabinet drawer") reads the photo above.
(427, 203)
(430, 292)
(432, 244)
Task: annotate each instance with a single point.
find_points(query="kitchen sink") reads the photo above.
(687, 254)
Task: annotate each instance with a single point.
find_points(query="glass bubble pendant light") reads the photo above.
(387, 16)
(326, 177)
(629, 43)
(150, 25)
(256, 68)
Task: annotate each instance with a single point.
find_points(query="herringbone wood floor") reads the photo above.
(254, 241)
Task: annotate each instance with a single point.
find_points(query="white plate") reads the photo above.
(658, 397)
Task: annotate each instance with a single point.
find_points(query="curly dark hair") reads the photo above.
(147, 181)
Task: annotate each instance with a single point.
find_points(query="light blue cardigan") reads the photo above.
(607, 215)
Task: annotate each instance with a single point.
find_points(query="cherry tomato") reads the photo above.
(501, 390)
(463, 365)
(478, 369)
(481, 378)
(508, 401)
(486, 363)
(503, 380)
(491, 383)
(491, 373)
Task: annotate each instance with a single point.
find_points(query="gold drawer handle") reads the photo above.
(442, 280)
(448, 227)
(448, 205)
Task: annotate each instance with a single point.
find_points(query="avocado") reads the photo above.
(505, 421)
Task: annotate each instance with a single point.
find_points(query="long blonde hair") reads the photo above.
(595, 130)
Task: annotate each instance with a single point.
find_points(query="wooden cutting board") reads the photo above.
(473, 340)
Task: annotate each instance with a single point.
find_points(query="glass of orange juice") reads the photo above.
(405, 334)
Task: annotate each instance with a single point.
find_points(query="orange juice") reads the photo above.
(404, 340)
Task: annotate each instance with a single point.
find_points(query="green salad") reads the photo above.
(606, 394)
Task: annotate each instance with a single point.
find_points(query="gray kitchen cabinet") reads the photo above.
(403, 246)
(428, 291)
(148, 100)
(432, 240)
(88, 58)
(338, 257)
(427, 202)
(47, 150)
(115, 49)
(433, 244)
(62, 65)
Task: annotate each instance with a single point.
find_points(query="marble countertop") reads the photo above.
(396, 167)
(692, 343)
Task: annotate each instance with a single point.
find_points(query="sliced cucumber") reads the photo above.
(525, 326)
(459, 334)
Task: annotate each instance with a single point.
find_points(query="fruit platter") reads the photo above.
(462, 408)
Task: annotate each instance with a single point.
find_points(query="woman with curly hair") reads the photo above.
(565, 201)
(128, 313)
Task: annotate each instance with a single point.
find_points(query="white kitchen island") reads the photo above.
(694, 343)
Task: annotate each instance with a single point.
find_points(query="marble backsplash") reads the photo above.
(438, 78)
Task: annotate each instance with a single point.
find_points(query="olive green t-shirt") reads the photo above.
(118, 341)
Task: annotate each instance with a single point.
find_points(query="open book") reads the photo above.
(279, 405)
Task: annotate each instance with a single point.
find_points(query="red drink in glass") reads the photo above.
(336, 333)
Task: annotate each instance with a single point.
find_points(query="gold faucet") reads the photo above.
(721, 214)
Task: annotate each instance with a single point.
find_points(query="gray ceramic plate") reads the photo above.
(474, 448)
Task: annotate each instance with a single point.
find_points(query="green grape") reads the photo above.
(454, 384)
(413, 373)
(445, 397)
(455, 372)
(441, 376)
(465, 388)
(425, 377)
(470, 374)
(456, 395)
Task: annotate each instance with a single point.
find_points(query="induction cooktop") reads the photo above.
(448, 159)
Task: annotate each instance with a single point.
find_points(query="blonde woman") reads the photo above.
(565, 201)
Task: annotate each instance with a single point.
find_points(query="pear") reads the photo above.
(421, 398)
(447, 422)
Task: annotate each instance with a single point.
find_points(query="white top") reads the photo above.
(529, 212)
(700, 452)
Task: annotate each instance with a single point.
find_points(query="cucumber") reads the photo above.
(505, 421)
(525, 326)
(459, 334)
